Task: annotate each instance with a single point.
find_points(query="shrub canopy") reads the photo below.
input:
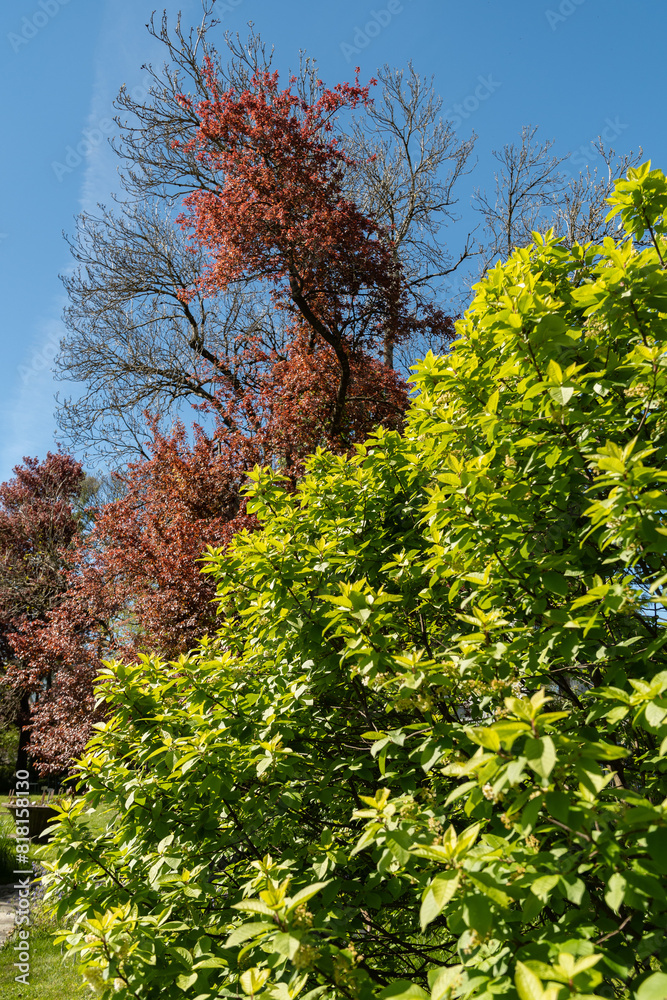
(425, 753)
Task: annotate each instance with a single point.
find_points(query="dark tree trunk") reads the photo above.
(22, 760)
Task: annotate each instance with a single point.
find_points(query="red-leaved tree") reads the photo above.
(134, 584)
(40, 523)
(268, 210)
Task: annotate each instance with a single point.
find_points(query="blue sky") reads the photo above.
(575, 67)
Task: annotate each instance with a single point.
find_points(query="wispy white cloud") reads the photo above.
(27, 412)
(123, 46)
(118, 61)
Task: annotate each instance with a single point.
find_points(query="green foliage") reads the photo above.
(9, 742)
(425, 754)
(51, 977)
(7, 858)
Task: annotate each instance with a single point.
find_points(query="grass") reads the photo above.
(51, 976)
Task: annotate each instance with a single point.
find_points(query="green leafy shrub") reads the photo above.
(7, 858)
(9, 741)
(425, 754)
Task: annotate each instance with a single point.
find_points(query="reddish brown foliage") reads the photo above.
(37, 522)
(134, 586)
(273, 213)
(39, 526)
(184, 498)
(279, 213)
(276, 213)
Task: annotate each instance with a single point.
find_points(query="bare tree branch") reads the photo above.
(408, 163)
(134, 342)
(528, 187)
(534, 193)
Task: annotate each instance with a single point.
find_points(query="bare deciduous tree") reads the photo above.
(581, 215)
(133, 343)
(533, 193)
(408, 161)
(528, 187)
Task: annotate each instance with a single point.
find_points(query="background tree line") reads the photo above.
(274, 262)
